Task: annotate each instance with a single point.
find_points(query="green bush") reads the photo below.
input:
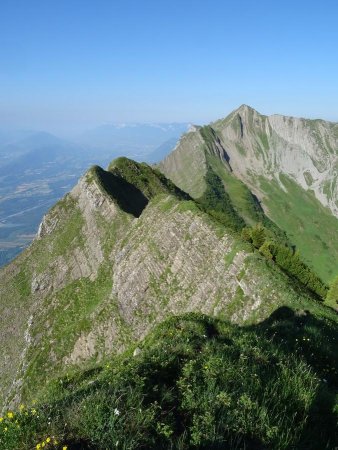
(217, 202)
(258, 235)
(332, 295)
(285, 257)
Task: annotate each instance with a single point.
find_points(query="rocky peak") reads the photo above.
(292, 162)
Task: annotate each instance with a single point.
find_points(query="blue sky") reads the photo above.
(68, 64)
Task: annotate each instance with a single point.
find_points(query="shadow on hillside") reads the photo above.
(315, 340)
(300, 332)
(128, 197)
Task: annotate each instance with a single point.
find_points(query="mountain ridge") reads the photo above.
(79, 266)
(141, 289)
(293, 177)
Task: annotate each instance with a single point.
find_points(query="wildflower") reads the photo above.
(21, 407)
(116, 412)
(43, 444)
(38, 446)
(64, 447)
(10, 415)
(5, 428)
(48, 440)
(1, 419)
(33, 411)
(55, 442)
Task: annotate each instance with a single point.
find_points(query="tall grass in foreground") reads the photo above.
(196, 383)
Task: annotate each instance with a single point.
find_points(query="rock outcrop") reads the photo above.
(101, 276)
(305, 150)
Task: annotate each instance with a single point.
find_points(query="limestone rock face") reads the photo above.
(256, 145)
(305, 150)
(98, 278)
(286, 166)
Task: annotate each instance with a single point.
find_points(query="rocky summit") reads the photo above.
(220, 258)
(290, 166)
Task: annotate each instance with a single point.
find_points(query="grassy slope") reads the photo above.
(246, 205)
(198, 382)
(17, 302)
(239, 193)
(186, 165)
(148, 180)
(309, 225)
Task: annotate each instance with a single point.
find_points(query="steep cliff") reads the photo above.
(287, 166)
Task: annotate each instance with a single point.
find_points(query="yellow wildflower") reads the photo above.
(38, 446)
(55, 442)
(10, 415)
(48, 440)
(33, 411)
(43, 444)
(1, 419)
(64, 447)
(5, 428)
(22, 407)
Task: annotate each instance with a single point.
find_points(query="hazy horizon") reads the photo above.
(72, 132)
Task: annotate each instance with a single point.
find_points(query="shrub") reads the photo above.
(285, 257)
(332, 295)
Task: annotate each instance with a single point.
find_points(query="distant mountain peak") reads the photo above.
(245, 109)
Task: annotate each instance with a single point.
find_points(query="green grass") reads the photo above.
(309, 225)
(75, 312)
(145, 178)
(66, 236)
(217, 202)
(198, 383)
(22, 282)
(242, 199)
(131, 185)
(186, 167)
